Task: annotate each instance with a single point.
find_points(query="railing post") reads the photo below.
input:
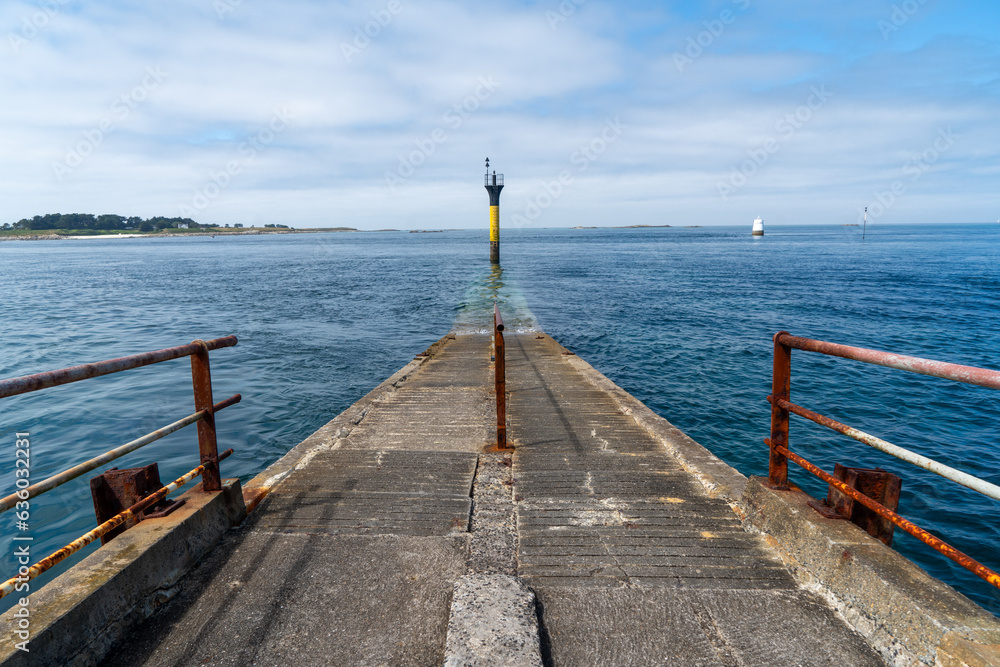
(500, 375)
(780, 390)
(201, 380)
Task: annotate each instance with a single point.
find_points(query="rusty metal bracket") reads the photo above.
(826, 510)
(170, 506)
(116, 490)
(881, 486)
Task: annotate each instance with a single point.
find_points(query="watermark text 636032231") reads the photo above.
(22, 548)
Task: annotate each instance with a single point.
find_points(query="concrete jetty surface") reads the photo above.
(395, 537)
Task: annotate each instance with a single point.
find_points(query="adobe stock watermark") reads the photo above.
(363, 35)
(786, 126)
(696, 44)
(562, 13)
(581, 158)
(899, 16)
(914, 168)
(22, 542)
(120, 110)
(454, 117)
(225, 7)
(248, 150)
(35, 23)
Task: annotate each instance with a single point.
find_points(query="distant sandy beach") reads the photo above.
(106, 236)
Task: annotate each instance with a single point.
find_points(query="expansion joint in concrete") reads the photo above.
(492, 523)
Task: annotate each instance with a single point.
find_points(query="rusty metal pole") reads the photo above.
(781, 390)
(201, 379)
(500, 373)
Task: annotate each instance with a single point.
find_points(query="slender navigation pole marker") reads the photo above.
(494, 185)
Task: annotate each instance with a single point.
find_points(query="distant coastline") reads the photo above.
(81, 226)
(75, 235)
(623, 227)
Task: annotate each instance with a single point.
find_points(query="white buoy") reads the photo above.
(758, 227)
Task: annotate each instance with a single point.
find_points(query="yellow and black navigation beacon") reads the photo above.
(494, 184)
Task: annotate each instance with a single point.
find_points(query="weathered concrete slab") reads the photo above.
(633, 560)
(300, 599)
(492, 623)
(493, 549)
(660, 626)
(594, 475)
(331, 435)
(444, 406)
(368, 492)
(898, 607)
(80, 615)
(449, 418)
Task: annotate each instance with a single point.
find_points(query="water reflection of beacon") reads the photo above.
(494, 184)
(758, 227)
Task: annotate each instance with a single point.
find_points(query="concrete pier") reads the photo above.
(396, 536)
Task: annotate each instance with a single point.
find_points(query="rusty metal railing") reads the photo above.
(782, 407)
(204, 416)
(201, 379)
(500, 377)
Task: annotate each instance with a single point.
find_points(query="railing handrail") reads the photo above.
(70, 474)
(781, 407)
(982, 377)
(37, 381)
(497, 320)
(204, 416)
(928, 464)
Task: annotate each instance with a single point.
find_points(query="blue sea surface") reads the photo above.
(680, 317)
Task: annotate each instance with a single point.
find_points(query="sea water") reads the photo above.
(680, 317)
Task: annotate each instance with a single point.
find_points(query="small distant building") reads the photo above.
(758, 227)
(182, 225)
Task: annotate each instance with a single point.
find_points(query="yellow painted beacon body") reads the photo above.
(494, 184)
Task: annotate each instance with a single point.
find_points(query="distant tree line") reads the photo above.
(89, 221)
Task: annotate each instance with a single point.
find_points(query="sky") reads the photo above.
(380, 114)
